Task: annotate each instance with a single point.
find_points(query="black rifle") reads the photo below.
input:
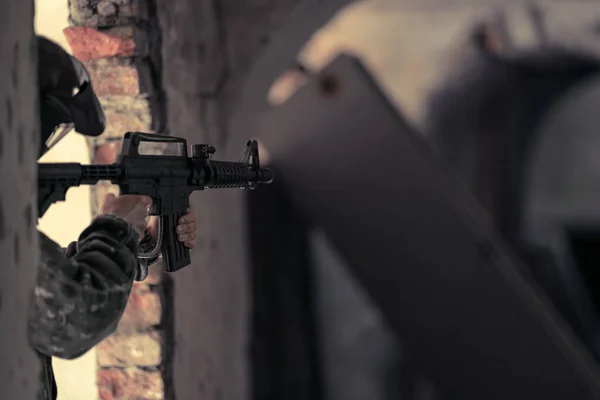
(167, 179)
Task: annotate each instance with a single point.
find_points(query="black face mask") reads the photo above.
(53, 125)
(67, 98)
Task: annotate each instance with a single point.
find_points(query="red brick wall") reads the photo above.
(111, 39)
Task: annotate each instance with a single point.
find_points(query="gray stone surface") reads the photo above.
(18, 208)
(107, 13)
(206, 52)
(210, 300)
(106, 8)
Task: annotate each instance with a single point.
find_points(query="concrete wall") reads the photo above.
(64, 221)
(19, 367)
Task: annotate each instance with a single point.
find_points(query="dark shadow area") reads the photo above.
(585, 244)
(284, 350)
(158, 98)
(168, 342)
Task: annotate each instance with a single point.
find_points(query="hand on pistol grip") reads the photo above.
(174, 236)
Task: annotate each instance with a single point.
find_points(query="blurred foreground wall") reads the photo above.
(19, 367)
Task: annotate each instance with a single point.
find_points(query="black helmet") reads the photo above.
(67, 99)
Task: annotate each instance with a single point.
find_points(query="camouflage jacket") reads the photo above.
(81, 292)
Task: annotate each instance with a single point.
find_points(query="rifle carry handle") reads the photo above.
(132, 141)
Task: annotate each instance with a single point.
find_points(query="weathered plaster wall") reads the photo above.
(18, 242)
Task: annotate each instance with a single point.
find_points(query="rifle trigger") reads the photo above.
(154, 252)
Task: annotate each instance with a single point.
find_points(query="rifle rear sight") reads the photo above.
(202, 151)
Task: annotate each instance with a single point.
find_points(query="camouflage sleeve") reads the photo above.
(146, 245)
(78, 300)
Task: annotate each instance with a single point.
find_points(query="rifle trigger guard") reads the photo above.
(154, 252)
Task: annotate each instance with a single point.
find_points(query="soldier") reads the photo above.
(81, 292)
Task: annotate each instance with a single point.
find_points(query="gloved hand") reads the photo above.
(132, 208)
